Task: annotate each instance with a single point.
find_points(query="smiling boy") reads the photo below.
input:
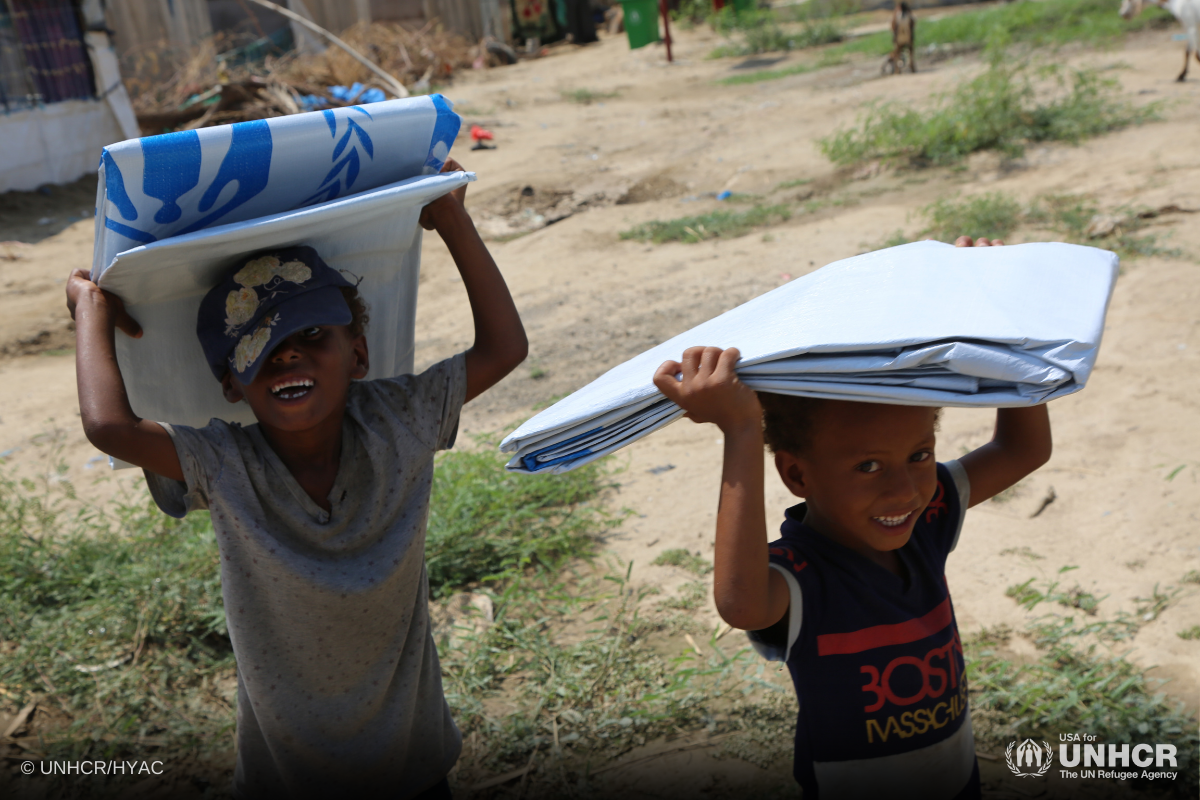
(319, 509)
(853, 595)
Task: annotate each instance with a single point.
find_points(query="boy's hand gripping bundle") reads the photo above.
(923, 324)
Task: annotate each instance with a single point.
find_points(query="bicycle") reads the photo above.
(894, 65)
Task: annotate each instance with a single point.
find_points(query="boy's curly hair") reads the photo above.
(359, 316)
(788, 421)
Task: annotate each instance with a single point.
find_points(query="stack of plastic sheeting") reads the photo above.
(175, 212)
(922, 324)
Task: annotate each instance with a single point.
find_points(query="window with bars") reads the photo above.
(43, 58)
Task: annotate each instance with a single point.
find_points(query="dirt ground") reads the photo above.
(657, 142)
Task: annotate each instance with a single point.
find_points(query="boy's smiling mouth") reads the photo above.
(893, 521)
(292, 389)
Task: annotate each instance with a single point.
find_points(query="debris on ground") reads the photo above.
(173, 90)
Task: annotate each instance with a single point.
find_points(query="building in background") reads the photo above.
(61, 96)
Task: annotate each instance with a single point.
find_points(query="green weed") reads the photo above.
(767, 74)
(575, 702)
(684, 559)
(1073, 216)
(585, 97)
(1148, 608)
(1028, 595)
(488, 524)
(757, 32)
(691, 596)
(1192, 576)
(1190, 633)
(114, 616)
(1070, 687)
(713, 225)
(992, 215)
(1023, 552)
(793, 184)
(549, 401)
(1007, 106)
(1050, 22)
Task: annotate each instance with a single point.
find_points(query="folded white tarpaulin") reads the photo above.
(174, 212)
(922, 324)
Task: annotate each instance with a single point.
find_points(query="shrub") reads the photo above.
(485, 522)
(991, 215)
(713, 225)
(1000, 109)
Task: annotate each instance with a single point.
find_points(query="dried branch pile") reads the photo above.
(177, 90)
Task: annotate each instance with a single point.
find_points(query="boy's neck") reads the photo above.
(313, 456)
(888, 559)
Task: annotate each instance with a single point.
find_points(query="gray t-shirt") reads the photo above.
(339, 687)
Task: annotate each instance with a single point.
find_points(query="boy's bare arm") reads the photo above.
(1020, 445)
(749, 594)
(108, 420)
(500, 343)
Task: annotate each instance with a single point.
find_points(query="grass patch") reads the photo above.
(113, 619)
(767, 74)
(1122, 627)
(826, 60)
(487, 524)
(1190, 633)
(585, 97)
(1071, 687)
(992, 215)
(684, 559)
(754, 32)
(793, 184)
(713, 225)
(1050, 22)
(1023, 552)
(1007, 106)
(574, 702)
(1073, 218)
(1148, 608)
(691, 596)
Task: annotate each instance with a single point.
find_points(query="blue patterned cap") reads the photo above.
(264, 300)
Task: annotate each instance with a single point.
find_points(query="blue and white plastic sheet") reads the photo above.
(922, 324)
(174, 212)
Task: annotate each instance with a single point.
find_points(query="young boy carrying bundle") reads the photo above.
(853, 595)
(319, 509)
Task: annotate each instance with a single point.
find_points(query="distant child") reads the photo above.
(904, 36)
(853, 596)
(319, 509)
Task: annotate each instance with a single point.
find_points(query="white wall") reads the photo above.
(58, 143)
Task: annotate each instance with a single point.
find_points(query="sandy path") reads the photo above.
(591, 300)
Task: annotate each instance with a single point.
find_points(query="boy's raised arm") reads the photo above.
(500, 342)
(108, 420)
(1020, 445)
(749, 594)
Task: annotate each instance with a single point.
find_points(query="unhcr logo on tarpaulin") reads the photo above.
(1030, 759)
